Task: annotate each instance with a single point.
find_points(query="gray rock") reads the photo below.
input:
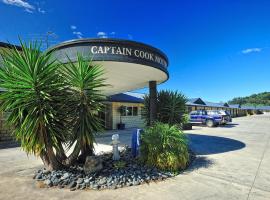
(86, 180)
(128, 184)
(61, 186)
(34, 176)
(92, 164)
(45, 171)
(80, 180)
(83, 187)
(55, 182)
(48, 182)
(109, 184)
(65, 176)
(102, 181)
(136, 183)
(95, 187)
(39, 176)
(114, 187)
(80, 176)
(73, 189)
(65, 182)
(109, 179)
(72, 184)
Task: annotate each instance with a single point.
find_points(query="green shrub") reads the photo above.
(165, 147)
(120, 164)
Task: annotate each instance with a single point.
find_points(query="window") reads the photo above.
(130, 111)
(123, 110)
(135, 111)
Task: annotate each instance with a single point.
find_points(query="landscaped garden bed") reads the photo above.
(128, 171)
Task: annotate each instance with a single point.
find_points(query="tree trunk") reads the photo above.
(48, 156)
(45, 159)
(60, 154)
(50, 161)
(54, 163)
(85, 151)
(72, 158)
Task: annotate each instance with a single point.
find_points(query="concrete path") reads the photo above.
(233, 163)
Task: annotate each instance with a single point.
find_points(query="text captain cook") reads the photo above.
(127, 51)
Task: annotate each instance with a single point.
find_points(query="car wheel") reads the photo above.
(210, 123)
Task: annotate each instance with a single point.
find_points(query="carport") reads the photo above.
(128, 65)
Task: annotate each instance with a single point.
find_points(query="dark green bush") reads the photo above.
(171, 106)
(165, 147)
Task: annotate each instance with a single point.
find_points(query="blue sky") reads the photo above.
(218, 49)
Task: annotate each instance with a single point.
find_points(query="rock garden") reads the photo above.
(102, 172)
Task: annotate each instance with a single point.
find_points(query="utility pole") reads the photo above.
(48, 34)
(46, 39)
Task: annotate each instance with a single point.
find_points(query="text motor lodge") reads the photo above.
(116, 50)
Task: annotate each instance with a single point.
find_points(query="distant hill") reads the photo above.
(255, 99)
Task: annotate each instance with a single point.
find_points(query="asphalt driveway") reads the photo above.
(233, 163)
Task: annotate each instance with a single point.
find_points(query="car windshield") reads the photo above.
(223, 112)
(212, 112)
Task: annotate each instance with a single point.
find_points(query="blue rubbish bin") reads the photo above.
(135, 142)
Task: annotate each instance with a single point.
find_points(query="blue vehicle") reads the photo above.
(210, 118)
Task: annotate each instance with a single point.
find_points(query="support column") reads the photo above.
(153, 101)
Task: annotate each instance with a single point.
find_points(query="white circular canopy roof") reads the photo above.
(128, 65)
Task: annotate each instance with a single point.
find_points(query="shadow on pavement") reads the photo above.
(206, 144)
(9, 145)
(200, 162)
(231, 125)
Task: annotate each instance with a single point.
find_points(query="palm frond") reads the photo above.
(30, 81)
(84, 79)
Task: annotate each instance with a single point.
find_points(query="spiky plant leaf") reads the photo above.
(84, 79)
(170, 107)
(29, 82)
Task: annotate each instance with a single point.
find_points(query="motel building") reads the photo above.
(128, 66)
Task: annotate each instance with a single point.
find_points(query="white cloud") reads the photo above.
(78, 34)
(41, 11)
(251, 50)
(113, 33)
(28, 10)
(102, 34)
(74, 32)
(20, 3)
(73, 27)
(24, 4)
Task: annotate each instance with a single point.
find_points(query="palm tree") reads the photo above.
(84, 81)
(51, 104)
(170, 107)
(31, 86)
